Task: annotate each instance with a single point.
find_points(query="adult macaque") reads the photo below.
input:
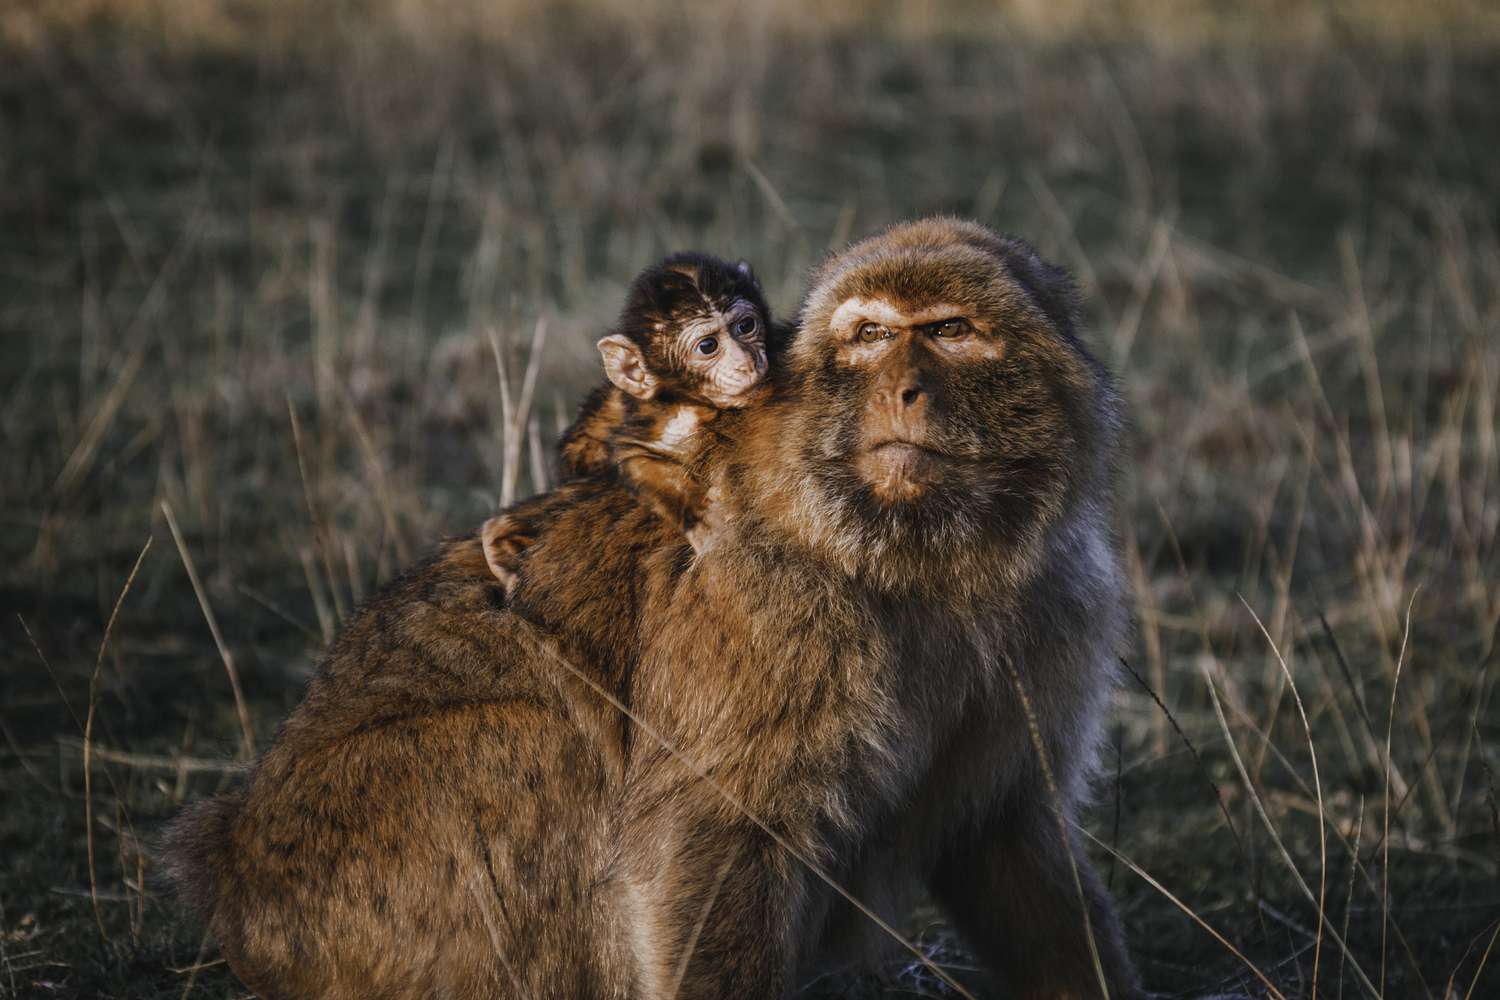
(916, 591)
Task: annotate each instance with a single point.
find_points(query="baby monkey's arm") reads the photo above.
(666, 485)
(674, 490)
(585, 446)
(583, 451)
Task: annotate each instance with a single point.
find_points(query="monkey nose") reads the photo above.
(906, 392)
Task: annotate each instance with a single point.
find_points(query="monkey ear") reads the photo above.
(744, 268)
(624, 366)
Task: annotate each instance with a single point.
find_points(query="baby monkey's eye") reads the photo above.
(871, 332)
(956, 327)
(707, 346)
(746, 326)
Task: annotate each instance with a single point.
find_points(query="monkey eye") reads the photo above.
(950, 328)
(746, 326)
(707, 346)
(870, 332)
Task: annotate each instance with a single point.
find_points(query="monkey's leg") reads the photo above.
(1012, 893)
(725, 908)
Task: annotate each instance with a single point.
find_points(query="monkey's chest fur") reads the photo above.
(860, 730)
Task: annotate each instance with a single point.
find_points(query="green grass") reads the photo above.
(253, 273)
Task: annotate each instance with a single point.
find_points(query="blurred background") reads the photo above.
(291, 289)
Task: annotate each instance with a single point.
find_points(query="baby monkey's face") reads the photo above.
(721, 353)
(694, 328)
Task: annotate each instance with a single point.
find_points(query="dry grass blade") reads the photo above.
(51, 674)
(1385, 831)
(1348, 674)
(1317, 787)
(173, 764)
(377, 475)
(88, 732)
(1359, 829)
(1360, 868)
(538, 456)
(23, 758)
(702, 774)
(1197, 760)
(1483, 961)
(1474, 740)
(197, 966)
(507, 420)
(247, 732)
(1489, 781)
(485, 895)
(1034, 730)
(1191, 913)
(320, 532)
(773, 197)
(277, 610)
(1265, 819)
(515, 439)
(77, 465)
(693, 935)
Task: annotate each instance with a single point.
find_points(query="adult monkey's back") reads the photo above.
(916, 590)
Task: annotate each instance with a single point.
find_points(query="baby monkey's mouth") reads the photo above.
(736, 387)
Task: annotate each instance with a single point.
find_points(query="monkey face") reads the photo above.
(945, 393)
(897, 361)
(694, 327)
(723, 353)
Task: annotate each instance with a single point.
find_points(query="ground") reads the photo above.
(289, 291)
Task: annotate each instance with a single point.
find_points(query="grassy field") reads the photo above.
(288, 291)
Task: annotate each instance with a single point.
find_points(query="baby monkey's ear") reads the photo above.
(624, 366)
(744, 268)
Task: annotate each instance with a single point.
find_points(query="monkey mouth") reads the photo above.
(738, 394)
(899, 470)
(905, 451)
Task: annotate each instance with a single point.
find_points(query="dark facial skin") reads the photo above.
(914, 605)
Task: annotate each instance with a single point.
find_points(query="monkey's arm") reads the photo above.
(726, 913)
(584, 449)
(668, 486)
(1011, 889)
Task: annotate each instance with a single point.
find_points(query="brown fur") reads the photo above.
(657, 439)
(858, 662)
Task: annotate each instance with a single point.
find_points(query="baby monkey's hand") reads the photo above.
(712, 521)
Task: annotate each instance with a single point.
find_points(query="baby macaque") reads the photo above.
(692, 341)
